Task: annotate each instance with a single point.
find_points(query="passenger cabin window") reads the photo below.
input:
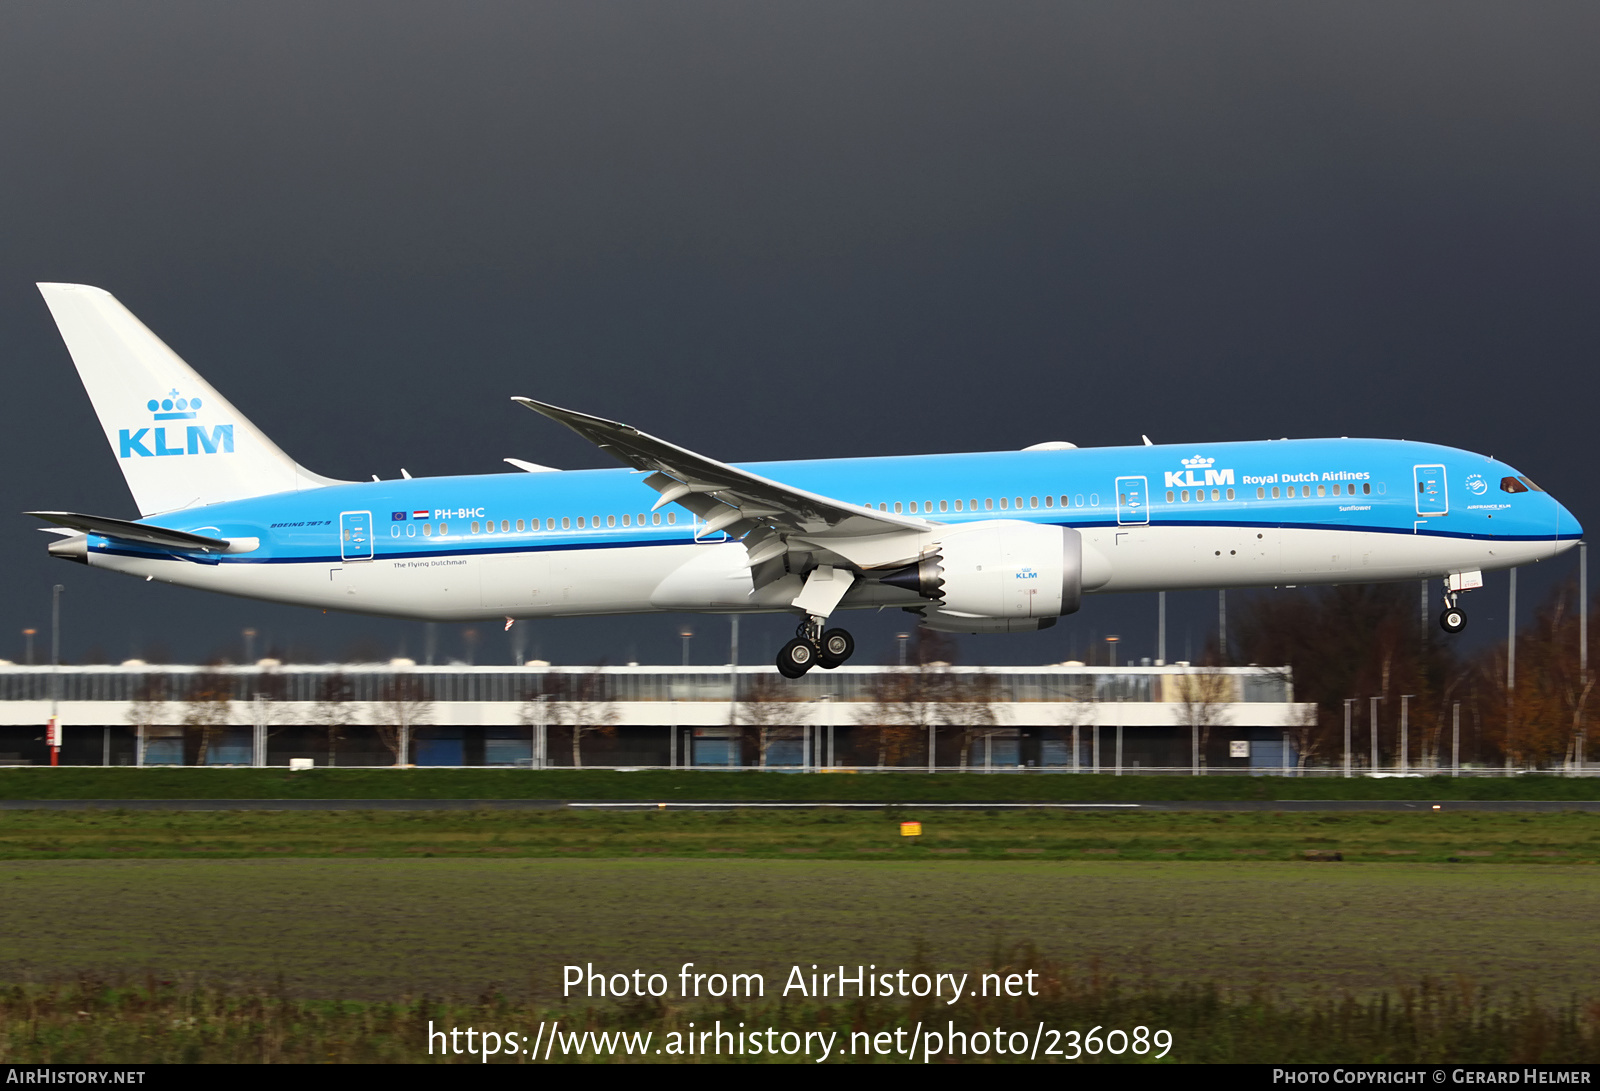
(897, 507)
(672, 518)
(1003, 501)
(1033, 501)
(1049, 501)
(444, 528)
(1322, 490)
(1169, 496)
(988, 504)
(1275, 492)
(1511, 484)
(611, 520)
(427, 530)
(566, 523)
(958, 505)
(944, 505)
(520, 526)
(1230, 494)
(474, 526)
(1261, 494)
(1366, 488)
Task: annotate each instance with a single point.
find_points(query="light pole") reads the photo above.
(1375, 701)
(28, 634)
(1111, 650)
(249, 646)
(1348, 701)
(902, 638)
(55, 674)
(686, 635)
(1405, 732)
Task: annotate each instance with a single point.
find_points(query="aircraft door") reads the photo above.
(355, 535)
(1433, 495)
(1133, 507)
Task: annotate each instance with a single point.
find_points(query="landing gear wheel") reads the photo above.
(837, 646)
(1453, 620)
(797, 657)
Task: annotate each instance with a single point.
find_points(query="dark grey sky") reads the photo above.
(789, 230)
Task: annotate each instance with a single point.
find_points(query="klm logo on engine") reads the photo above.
(1186, 479)
(187, 439)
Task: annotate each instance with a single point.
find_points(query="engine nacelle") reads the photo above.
(1000, 568)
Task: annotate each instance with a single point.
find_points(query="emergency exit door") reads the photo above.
(1433, 495)
(355, 535)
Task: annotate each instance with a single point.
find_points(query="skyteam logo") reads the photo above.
(1186, 479)
(151, 442)
(1476, 485)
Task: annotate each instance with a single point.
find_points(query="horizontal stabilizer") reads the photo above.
(142, 533)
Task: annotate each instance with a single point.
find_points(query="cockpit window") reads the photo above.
(1512, 484)
(1528, 482)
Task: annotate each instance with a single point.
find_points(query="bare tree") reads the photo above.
(1081, 710)
(333, 711)
(904, 703)
(402, 706)
(773, 710)
(206, 707)
(582, 702)
(147, 708)
(1202, 694)
(970, 700)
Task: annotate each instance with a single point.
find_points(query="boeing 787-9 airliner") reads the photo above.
(1000, 541)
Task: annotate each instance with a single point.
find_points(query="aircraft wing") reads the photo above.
(737, 501)
(143, 533)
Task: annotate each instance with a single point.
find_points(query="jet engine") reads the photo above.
(998, 569)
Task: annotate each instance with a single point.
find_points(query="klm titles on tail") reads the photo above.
(131, 444)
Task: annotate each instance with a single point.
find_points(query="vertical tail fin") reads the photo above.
(180, 444)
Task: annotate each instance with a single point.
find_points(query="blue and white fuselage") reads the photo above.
(675, 531)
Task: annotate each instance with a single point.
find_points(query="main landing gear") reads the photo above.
(814, 647)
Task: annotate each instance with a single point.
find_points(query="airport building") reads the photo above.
(1049, 718)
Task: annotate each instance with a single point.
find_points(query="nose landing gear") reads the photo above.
(1454, 619)
(812, 647)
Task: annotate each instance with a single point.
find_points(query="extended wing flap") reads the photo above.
(143, 533)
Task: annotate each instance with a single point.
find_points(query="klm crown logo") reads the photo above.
(1208, 478)
(172, 407)
(197, 440)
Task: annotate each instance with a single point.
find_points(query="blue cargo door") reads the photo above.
(355, 535)
(1133, 509)
(1433, 496)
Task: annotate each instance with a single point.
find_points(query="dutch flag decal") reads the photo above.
(420, 514)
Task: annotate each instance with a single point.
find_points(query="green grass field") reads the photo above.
(1571, 837)
(321, 935)
(584, 784)
(386, 928)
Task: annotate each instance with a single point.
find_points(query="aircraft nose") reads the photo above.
(1568, 529)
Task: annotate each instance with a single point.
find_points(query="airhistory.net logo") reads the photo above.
(151, 442)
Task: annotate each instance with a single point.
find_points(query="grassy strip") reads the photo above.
(1568, 837)
(88, 1022)
(587, 784)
